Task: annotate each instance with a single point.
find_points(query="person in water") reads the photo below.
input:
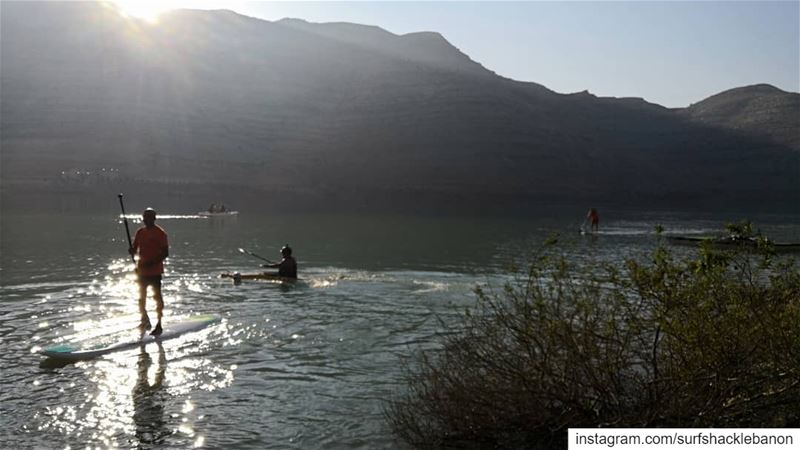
(153, 248)
(288, 265)
(594, 219)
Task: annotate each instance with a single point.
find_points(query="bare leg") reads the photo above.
(142, 310)
(159, 309)
(159, 303)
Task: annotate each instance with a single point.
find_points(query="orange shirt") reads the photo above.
(151, 244)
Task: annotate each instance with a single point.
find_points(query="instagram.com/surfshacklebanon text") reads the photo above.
(684, 438)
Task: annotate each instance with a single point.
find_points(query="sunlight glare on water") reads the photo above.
(128, 391)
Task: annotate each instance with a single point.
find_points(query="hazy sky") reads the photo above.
(668, 52)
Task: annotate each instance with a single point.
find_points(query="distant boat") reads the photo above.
(730, 242)
(217, 210)
(217, 214)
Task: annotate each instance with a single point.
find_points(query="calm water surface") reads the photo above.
(308, 366)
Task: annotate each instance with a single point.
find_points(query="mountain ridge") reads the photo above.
(759, 109)
(217, 97)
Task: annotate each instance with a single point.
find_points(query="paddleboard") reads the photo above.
(87, 351)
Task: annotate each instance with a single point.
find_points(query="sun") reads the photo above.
(147, 10)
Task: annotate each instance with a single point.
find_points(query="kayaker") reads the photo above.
(153, 248)
(288, 265)
(594, 219)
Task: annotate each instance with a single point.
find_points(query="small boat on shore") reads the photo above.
(732, 242)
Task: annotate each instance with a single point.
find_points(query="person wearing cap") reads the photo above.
(153, 248)
(288, 266)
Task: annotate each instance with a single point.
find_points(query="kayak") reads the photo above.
(728, 242)
(267, 277)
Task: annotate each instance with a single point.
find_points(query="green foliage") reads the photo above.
(741, 230)
(710, 341)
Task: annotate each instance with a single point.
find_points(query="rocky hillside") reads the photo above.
(761, 110)
(351, 112)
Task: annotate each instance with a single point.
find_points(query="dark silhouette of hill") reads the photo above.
(211, 101)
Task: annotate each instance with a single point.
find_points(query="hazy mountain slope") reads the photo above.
(759, 110)
(289, 106)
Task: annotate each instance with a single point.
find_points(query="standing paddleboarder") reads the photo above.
(153, 248)
(594, 218)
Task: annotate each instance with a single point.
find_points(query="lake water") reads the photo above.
(307, 366)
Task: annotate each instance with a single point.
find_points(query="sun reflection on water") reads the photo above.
(138, 397)
(144, 393)
(137, 218)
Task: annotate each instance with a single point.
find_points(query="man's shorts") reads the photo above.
(152, 280)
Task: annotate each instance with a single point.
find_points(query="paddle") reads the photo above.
(254, 255)
(127, 230)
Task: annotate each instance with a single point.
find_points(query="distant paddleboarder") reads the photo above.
(594, 219)
(153, 248)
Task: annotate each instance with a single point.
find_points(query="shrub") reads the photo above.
(707, 341)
